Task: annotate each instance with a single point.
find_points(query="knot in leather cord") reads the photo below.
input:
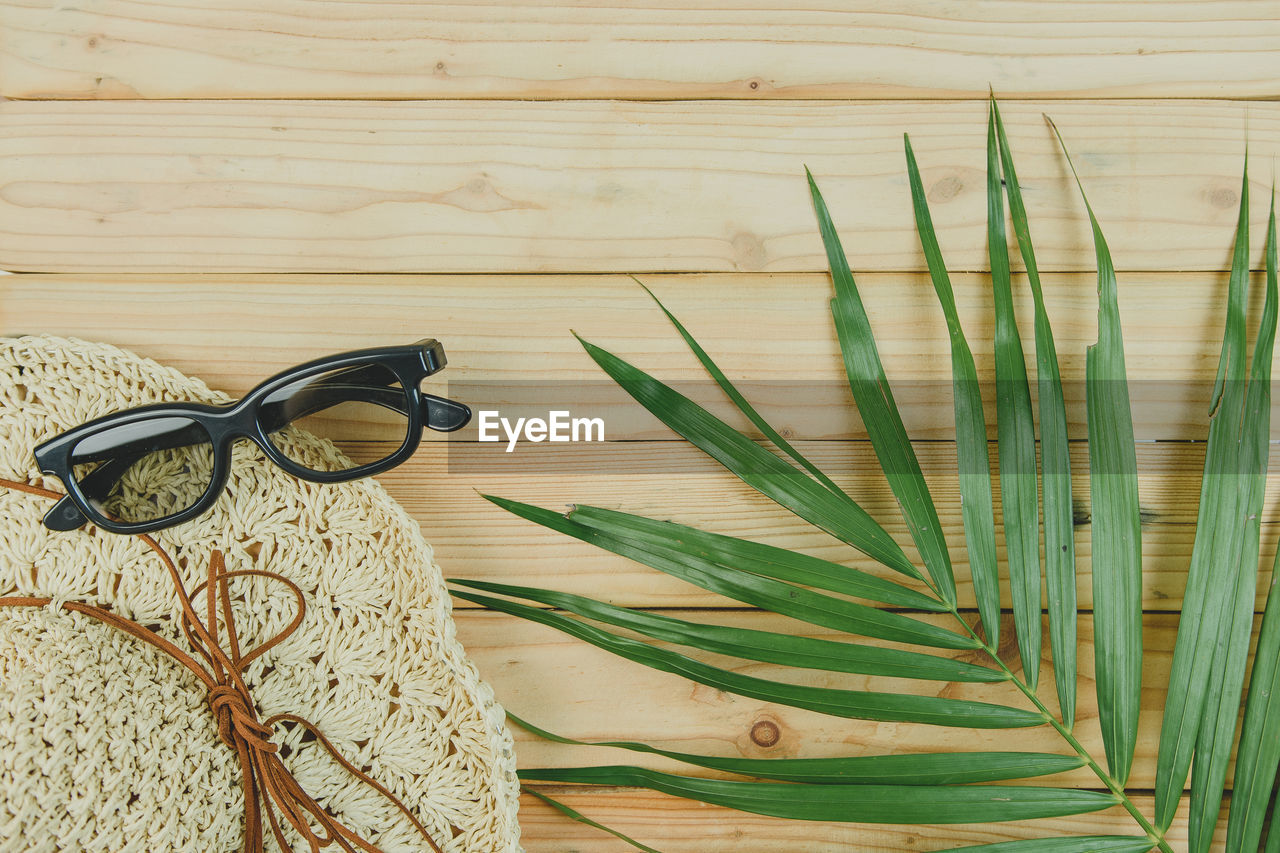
(267, 782)
(237, 720)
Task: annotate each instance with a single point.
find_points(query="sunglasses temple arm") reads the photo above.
(438, 413)
(325, 395)
(65, 515)
(443, 415)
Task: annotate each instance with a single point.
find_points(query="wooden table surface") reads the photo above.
(234, 190)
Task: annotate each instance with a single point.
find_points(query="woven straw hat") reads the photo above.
(109, 744)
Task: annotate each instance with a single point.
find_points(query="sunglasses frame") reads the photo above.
(226, 423)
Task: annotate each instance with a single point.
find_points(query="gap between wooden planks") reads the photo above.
(510, 338)
(573, 689)
(680, 826)
(650, 49)
(322, 186)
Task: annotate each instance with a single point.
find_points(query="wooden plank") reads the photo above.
(679, 826)
(598, 186)
(576, 690)
(476, 539)
(651, 49)
(514, 330)
(511, 349)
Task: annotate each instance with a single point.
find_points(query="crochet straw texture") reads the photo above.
(108, 745)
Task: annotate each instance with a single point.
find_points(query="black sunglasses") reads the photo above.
(333, 419)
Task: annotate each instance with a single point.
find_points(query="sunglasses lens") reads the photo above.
(339, 420)
(145, 471)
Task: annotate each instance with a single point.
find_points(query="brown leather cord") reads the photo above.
(268, 784)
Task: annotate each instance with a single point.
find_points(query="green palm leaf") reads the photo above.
(578, 817)
(796, 602)
(971, 425)
(1222, 709)
(1055, 459)
(1015, 432)
(849, 803)
(754, 557)
(1212, 642)
(874, 399)
(1082, 844)
(1259, 750)
(852, 704)
(1220, 529)
(941, 768)
(756, 466)
(740, 401)
(751, 644)
(1117, 531)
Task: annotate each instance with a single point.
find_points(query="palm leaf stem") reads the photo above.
(1155, 835)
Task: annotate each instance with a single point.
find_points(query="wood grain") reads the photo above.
(511, 348)
(650, 49)
(474, 538)
(598, 187)
(576, 690)
(512, 331)
(508, 143)
(677, 826)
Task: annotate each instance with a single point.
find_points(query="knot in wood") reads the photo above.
(765, 733)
